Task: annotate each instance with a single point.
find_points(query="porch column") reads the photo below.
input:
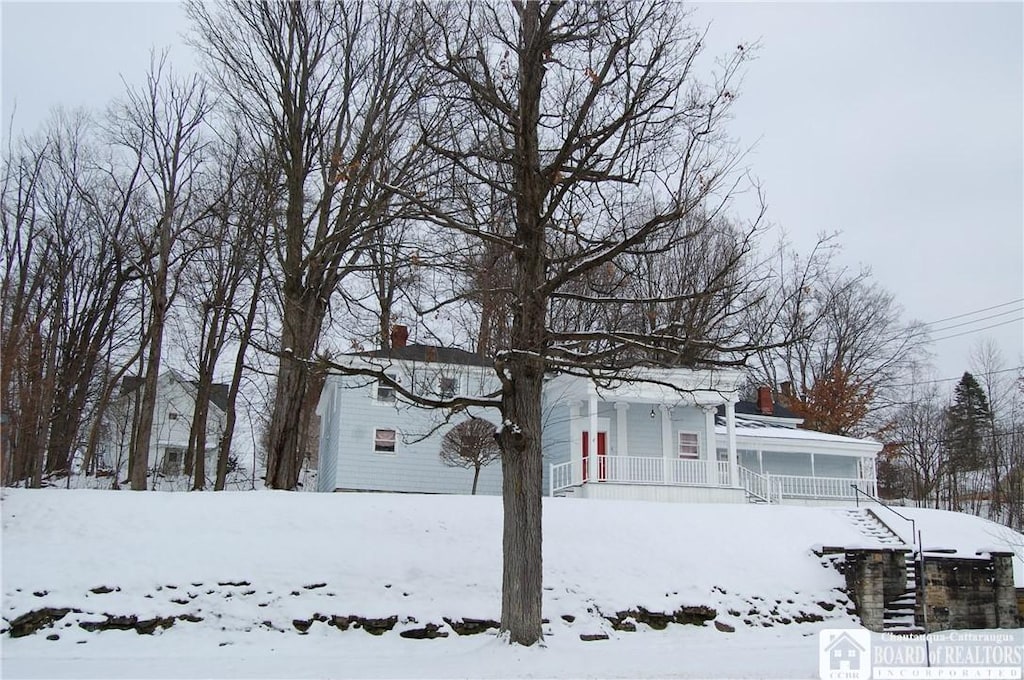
(621, 434)
(592, 436)
(709, 443)
(575, 448)
(730, 429)
(666, 442)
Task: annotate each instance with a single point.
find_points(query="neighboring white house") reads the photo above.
(667, 435)
(172, 423)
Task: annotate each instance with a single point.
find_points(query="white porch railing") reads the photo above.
(769, 488)
(639, 470)
(757, 485)
(840, 488)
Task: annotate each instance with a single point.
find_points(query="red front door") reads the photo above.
(602, 451)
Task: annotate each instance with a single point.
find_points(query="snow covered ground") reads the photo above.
(249, 585)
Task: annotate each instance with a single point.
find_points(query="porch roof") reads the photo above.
(809, 441)
(669, 386)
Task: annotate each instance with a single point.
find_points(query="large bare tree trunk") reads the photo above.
(138, 462)
(520, 436)
(302, 322)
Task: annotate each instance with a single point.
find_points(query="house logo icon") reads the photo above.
(844, 654)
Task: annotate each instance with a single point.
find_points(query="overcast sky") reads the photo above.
(899, 125)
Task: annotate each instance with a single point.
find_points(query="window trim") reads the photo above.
(696, 444)
(384, 392)
(377, 441)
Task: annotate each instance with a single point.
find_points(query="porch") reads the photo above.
(638, 478)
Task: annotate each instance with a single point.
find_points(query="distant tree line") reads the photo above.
(961, 450)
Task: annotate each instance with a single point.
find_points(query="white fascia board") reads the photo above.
(826, 444)
(654, 386)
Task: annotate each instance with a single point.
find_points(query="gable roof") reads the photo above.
(218, 391)
(428, 354)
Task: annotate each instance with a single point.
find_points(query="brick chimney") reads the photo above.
(787, 392)
(399, 336)
(764, 400)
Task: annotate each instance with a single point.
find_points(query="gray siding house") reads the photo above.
(664, 435)
(373, 440)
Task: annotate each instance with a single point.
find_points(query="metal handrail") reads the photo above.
(913, 525)
(915, 533)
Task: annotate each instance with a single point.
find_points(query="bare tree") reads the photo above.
(223, 277)
(589, 122)
(25, 306)
(852, 350)
(161, 124)
(470, 445)
(328, 89)
(64, 290)
(988, 367)
(915, 432)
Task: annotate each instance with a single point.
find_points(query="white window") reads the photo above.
(384, 391)
(689, 445)
(448, 387)
(384, 441)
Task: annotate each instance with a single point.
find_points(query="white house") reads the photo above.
(665, 434)
(372, 440)
(683, 435)
(172, 423)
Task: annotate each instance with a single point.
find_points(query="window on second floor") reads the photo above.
(384, 391)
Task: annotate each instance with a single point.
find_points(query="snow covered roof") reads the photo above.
(757, 434)
(428, 354)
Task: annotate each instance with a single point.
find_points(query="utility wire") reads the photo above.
(983, 328)
(977, 311)
(968, 323)
(939, 380)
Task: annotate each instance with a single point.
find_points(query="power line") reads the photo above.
(976, 311)
(968, 323)
(983, 328)
(939, 380)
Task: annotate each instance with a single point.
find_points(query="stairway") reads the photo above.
(868, 523)
(899, 615)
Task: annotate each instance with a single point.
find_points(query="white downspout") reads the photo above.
(711, 463)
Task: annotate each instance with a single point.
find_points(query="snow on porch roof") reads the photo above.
(669, 386)
(802, 439)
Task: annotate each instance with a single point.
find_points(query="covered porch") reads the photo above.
(623, 440)
(655, 441)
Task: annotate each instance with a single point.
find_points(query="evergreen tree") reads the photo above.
(967, 422)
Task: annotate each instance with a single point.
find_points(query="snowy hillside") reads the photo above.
(272, 584)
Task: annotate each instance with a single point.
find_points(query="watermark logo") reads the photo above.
(857, 654)
(844, 654)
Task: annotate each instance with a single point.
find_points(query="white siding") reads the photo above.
(415, 466)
